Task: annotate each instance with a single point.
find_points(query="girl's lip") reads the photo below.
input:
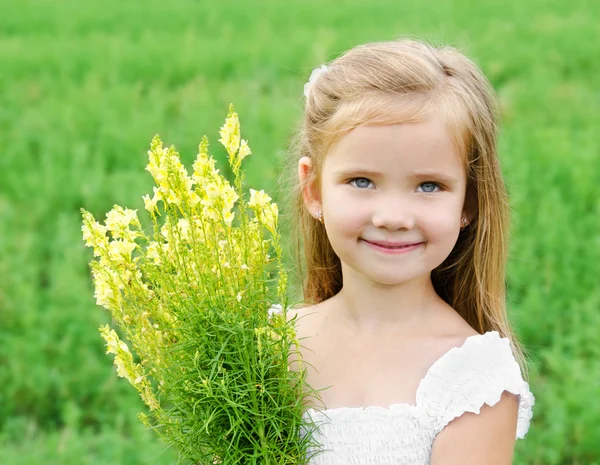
(394, 250)
(392, 244)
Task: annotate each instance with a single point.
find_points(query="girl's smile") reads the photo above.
(390, 248)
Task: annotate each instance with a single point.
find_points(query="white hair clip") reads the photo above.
(313, 77)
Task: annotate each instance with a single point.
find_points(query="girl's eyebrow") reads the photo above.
(415, 175)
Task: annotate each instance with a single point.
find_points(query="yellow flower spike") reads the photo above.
(155, 155)
(203, 146)
(230, 133)
(123, 357)
(156, 144)
(106, 286)
(174, 184)
(149, 398)
(204, 166)
(94, 234)
(270, 215)
(110, 336)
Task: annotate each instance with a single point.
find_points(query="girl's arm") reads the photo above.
(484, 438)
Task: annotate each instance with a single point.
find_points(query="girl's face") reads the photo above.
(400, 183)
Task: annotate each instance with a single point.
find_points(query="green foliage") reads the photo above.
(85, 85)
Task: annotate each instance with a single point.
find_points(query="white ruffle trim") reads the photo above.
(477, 373)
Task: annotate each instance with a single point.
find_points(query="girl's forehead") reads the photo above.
(422, 144)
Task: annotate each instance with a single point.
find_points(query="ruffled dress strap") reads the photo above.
(476, 373)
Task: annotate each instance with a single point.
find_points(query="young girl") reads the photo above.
(403, 216)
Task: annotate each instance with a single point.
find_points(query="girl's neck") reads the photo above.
(369, 308)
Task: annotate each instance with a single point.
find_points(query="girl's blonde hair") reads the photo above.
(403, 81)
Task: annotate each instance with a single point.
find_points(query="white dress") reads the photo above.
(462, 380)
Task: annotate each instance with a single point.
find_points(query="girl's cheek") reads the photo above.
(441, 222)
(337, 200)
(344, 215)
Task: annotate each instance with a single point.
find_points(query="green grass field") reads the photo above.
(85, 85)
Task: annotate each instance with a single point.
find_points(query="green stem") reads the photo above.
(250, 379)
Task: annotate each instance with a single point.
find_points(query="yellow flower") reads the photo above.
(104, 285)
(171, 176)
(94, 234)
(201, 164)
(194, 199)
(119, 217)
(103, 293)
(173, 197)
(230, 133)
(150, 204)
(118, 221)
(183, 226)
(113, 343)
(270, 214)
(258, 199)
(221, 196)
(244, 150)
(212, 194)
(120, 250)
(123, 359)
(152, 253)
(229, 196)
(121, 367)
(266, 212)
(204, 166)
(228, 218)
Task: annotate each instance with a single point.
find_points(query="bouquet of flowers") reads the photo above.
(194, 300)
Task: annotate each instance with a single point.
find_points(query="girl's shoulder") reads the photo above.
(472, 375)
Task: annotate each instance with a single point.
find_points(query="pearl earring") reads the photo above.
(320, 216)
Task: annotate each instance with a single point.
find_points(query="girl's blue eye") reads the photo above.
(434, 184)
(360, 179)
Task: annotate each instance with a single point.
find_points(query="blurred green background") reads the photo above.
(85, 85)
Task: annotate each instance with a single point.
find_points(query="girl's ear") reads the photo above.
(468, 215)
(469, 207)
(310, 191)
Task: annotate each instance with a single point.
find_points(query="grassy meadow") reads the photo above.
(85, 85)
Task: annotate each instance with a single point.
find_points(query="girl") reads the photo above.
(403, 216)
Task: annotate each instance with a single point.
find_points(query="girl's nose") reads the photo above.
(393, 214)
